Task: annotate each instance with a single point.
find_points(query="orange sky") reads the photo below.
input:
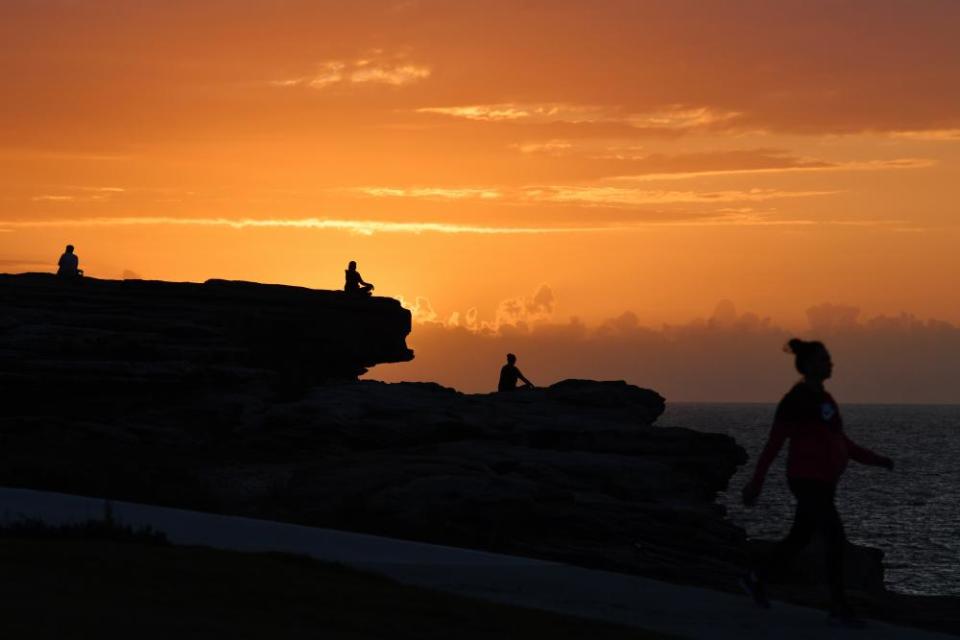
(651, 157)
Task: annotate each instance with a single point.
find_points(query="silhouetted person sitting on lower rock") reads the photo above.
(355, 284)
(68, 265)
(510, 375)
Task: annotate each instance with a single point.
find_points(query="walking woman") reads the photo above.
(809, 417)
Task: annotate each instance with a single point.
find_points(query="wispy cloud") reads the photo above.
(677, 118)
(53, 198)
(544, 112)
(741, 216)
(430, 193)
(363, 227)
(375, 69)
(805, 167)
(73, 193)
(395, 75)
(550, 147)
(587, 195)
(53, 154)
(622, 196)
(932, 135)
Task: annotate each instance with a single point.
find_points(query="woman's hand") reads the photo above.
(750, 494)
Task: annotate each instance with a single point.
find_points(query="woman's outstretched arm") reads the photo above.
(865, 456)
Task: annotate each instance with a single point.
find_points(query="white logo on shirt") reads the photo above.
(827, 411)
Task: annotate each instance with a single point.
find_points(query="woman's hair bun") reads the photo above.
(795, 346)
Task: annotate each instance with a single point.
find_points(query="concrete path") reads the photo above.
(631, 600)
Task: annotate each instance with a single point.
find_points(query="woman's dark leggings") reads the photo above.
(816, 511)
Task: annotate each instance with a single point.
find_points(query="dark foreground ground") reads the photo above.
(102, 588)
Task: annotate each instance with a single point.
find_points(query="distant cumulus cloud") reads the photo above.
(525, 309)
(828, 318)
(421, 310)
(727, 356)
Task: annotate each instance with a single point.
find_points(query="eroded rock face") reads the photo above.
(573, 472)
(230, 397)
(91, 338)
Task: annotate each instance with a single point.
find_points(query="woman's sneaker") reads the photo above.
(753, 586)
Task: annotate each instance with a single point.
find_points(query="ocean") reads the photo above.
(912, 513)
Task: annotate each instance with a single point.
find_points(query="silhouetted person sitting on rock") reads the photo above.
(355, 284)
(510, 375)
(67, 266)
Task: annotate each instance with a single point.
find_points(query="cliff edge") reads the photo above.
(90, 338)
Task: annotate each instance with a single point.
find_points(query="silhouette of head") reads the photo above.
(511, 359)
(352, 266)
(811, 358)
(69, 248)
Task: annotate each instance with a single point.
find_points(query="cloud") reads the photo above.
(430, 193)
(811, 67)
(370, 70)
(363, 227)
(15, 264)
(623, 196)
(727, 356)
(550, 147)
(53, 198)
(637, 221)
(518, 312)
(396, 75)
(828, 318)
(421, 310)
(73, 193)
(677, 118)
(525, 309)
(932, 135)
(789, 165)
(522, 112)
(680, 117)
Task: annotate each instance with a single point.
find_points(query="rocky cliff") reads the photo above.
(88, 339)
(239, 398)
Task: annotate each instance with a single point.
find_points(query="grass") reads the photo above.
(101, 588)
(105, 528)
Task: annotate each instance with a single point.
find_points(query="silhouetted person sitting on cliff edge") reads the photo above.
(509, 375)
(355, 284)
(67, 266)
